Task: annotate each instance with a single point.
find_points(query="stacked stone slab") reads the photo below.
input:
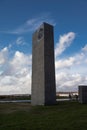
(43, 68)
(83, 94)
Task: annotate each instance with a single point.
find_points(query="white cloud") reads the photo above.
(65, 63)
(84, 48)
(78, 59)
(66, 81)
(3, 55)
(16, 76)
(20, 41)
(71, 72)
(15, 72)
(64, 42)
(31, 24)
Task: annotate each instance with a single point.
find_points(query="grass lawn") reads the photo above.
(63, 116)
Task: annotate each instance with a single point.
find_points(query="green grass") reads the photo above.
(63, 116)
(14, 97)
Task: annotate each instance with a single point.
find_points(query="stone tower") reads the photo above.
(43, 67)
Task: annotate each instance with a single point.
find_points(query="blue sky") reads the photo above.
(19, 19)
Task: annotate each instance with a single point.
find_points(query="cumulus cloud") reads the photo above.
(71, 72)
(66, 81)
(70, 61)
(3, 55)
(64, 42)
(16, 75)
(15, 71)
(65, 63)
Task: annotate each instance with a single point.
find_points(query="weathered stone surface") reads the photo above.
(43, 68)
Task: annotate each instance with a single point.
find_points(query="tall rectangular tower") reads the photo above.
(43, 66)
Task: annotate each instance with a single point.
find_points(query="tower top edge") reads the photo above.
(42, 25)
(45, 23)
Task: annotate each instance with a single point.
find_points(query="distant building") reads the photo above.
(66, 94)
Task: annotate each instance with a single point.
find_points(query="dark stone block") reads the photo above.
(83, 94)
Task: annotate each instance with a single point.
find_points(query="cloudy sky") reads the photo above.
(19, 19)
